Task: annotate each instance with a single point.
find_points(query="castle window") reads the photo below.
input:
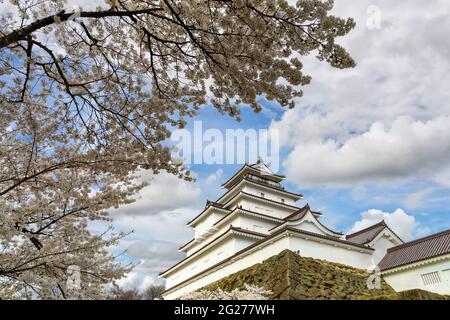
(431, 278)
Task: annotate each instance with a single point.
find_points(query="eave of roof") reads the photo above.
(281, 191)
(297, 195)
(304, 208)
(351, 235)
(186, 244)
(209, 205)
(303, 211)
(260, 198)
(221, 206)
(264, 216)
(422, 249)
(381, 225)
(230, 230)
(246, 166)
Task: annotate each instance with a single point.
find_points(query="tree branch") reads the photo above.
(22, 33)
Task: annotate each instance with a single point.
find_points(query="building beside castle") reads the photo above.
(257, 218)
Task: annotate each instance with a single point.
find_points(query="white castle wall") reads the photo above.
(381, 244)
(207, 222)
(242, 221)
(256, 224)
(222, 250)
(307, 248)
(266, 208)
(269, 194)
(412, 278)
(228, 269)
(201, 262)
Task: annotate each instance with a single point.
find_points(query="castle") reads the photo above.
(257, 218)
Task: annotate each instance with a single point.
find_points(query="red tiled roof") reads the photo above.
(421, 249)
(366, 235)
(299, 214)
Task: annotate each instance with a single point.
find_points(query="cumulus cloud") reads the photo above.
(404, 225)
(335, 133)
(158, 220)
(407, 148)
(135, 280)
(165, 192)
(213, 177)
(151, 258)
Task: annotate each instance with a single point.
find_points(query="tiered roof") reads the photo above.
(259, 168)
(209, 204)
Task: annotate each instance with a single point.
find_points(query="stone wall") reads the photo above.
(292, 277)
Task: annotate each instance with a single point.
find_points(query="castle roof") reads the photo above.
(300, 214)
(368, 234)
(209, 204)
(259, 169)
(418, 250)
(230, 230)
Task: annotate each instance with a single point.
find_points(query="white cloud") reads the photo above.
(415, 199)
(165, 192)
(212, 178)
(136, 280)
(158, 219)
(408, 148)
(147, 282)
(350, 127)
(130, 281)
(404, 225)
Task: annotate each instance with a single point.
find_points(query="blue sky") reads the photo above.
(363, 144)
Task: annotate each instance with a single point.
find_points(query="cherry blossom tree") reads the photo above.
(88, 97)
(153, 292)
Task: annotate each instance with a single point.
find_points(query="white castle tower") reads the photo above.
(257, 218)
